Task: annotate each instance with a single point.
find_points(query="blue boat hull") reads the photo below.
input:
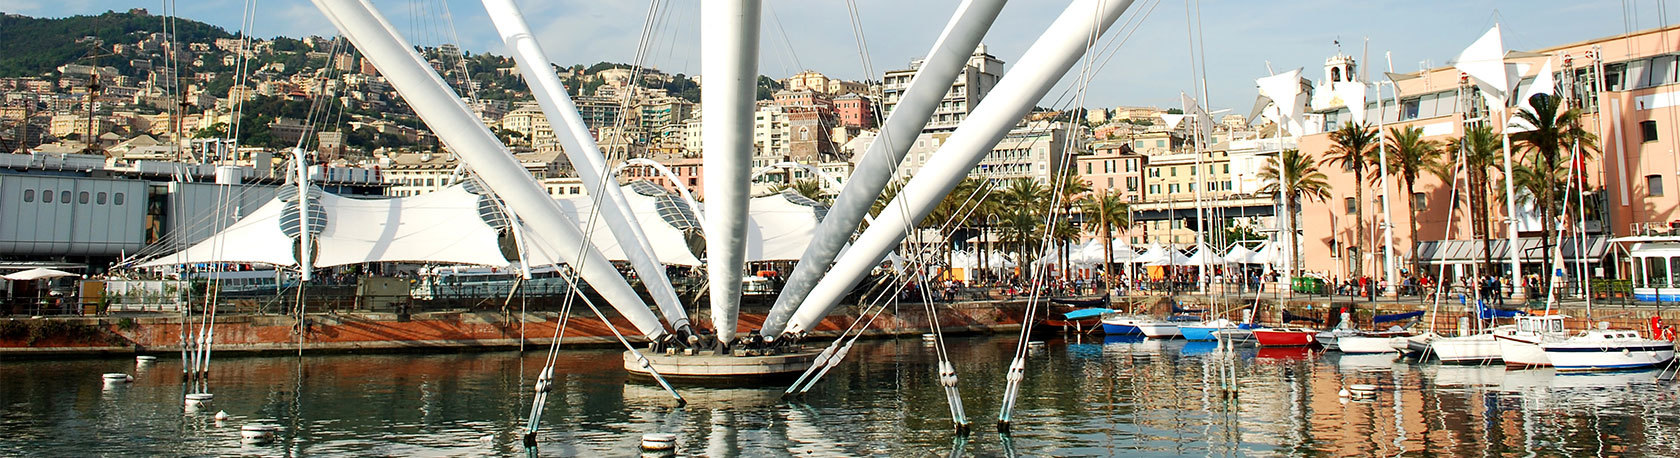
(1120, 329)
(1198, 333)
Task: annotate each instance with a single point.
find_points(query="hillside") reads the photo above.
(35, 46)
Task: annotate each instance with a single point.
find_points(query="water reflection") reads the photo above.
(1113, 396)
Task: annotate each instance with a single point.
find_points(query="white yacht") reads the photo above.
(1607, 349)
(1520, 346)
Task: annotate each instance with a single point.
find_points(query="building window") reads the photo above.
(117, 199)
(82, 198)
(1087, 168)
(47, 196)
(1420, 200)
(1111, 182)
(28, 195)
(100, 198)
(1352, 205)
(1175, 171)
(1648, 131)
(1653, 183)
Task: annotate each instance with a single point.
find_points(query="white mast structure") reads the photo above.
(949, 54)
(467, 136)
(585, 156)
(729, 31)
(1484, 61)
(1050, 57)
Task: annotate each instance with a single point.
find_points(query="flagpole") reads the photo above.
(1517, 292)
(1390, 270)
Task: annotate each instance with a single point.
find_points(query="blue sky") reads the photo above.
(1151, 68)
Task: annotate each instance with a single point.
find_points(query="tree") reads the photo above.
(1481, 149)
(1354, 144)
(1295, 176)
(1024, 200)
(1410, 155)
(1105, 212)
(1555, 131)
(810, 188)
(1069, 187)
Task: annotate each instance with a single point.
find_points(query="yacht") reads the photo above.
(1520, 346)
(1122, 325)
(1607, 349)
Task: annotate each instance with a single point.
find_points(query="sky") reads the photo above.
(1239, 38)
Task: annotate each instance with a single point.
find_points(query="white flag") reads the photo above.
(1484, 61)
(1544, 83)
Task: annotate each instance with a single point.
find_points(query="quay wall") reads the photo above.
(454, 330)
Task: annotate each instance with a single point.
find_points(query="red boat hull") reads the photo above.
(1284, 338)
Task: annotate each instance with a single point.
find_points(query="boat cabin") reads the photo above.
(1540, 323)
(1656, 270)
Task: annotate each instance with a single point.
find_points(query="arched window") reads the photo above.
(804, 133)
(1335, 74)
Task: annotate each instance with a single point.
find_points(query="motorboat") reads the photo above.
(1370, 342)
(1520, 346)
(1607, 349)
(1285, 337)
(1413, 345)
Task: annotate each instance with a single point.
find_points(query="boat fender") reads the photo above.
(1668, 333)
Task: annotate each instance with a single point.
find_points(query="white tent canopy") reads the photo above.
(256, 239)
(1241, 255)
(450, 226)
(442, 226)
(1153, 254)
(37, 274)
(1203, 257)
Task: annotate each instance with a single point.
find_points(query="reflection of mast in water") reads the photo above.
(808, 436)
(722, 438)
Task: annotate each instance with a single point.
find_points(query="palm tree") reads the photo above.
(1354, 144)
(1296, 176)
(1026, 201)
(954, 213)
(1104, 213)
(1410, 156)
(1482, 152)
(1068, 187)
(1554, 131)
(811, 188)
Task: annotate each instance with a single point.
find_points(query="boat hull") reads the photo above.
(1360, 345)
(1159, 330)
(1284, 338)
(1570, 356)
(1119, 329)
(1522, 351)
(1200, 333)
(1474, 349)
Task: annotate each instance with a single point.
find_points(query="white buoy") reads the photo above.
(258, 432)
(117, 377)
(659, 442)
(1362, 390)
(222, 415)
(197, 401)
(144, 359)
(1344, 393)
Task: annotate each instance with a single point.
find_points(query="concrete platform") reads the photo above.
(723, 369)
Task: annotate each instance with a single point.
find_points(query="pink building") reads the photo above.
(1627, 88)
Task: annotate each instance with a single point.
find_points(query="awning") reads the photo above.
(1529, 249)
(37, 274)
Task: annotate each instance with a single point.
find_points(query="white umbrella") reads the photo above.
(38, 273)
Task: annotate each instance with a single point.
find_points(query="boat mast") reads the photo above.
(300, 166)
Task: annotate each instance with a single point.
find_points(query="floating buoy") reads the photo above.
(144, 359)
(258, 432)
(1362, 390)
(659, 442)
(197, 401)
(117, 377)
(222, 416)
(1344, 393)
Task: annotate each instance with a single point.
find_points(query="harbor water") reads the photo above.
(1081, 397)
